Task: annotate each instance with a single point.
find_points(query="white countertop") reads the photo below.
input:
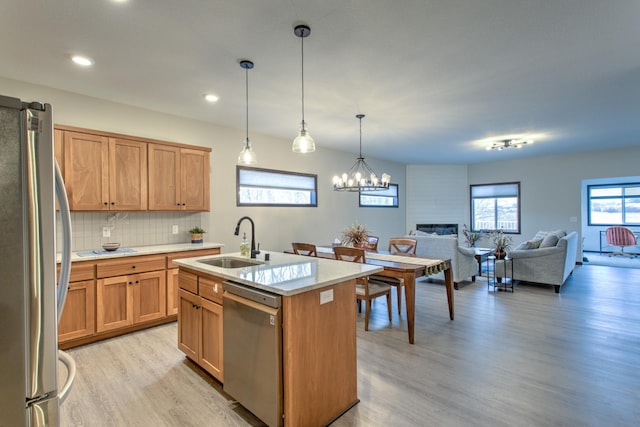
(284, 274)
(90, 255)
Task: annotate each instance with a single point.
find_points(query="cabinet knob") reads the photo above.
(106, 204)
(113, 203)
(137, 281)
(129, 282)
(133, 266)
(184, 204)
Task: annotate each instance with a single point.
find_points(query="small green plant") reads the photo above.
(471, 237)
(197, 230)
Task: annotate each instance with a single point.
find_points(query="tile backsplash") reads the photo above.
(129, 228)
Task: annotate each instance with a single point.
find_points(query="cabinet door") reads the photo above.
(164, 178)
(149, 296)
(172, 291)
(86, 163)
(194, 180)
(127, 175)
(210, 357)
(58, 151)
(114, 303)
(78, 316)
(189, 324)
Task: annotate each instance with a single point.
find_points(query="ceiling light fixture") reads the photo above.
(209, 97)
(508, 143)
(360, 177)
(303, 142)
(84, 61)
(247, 155)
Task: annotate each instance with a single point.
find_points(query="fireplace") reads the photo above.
(442, 229)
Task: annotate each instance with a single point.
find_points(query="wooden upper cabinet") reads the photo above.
(127, 175)
(86, 163)
(178, 178)
(103, 173)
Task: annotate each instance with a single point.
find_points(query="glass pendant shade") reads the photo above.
(303, 142)
(247, 155)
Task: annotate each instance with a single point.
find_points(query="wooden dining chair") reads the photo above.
(307, 249)
(398, 246)
(367, 289)
(372, 243)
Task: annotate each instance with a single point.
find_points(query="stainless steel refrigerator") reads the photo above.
(30, 301)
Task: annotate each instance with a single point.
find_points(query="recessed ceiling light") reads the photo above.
(211, 97)
(84, 61)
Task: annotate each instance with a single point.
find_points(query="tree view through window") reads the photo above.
(496, 207)
(614, 204)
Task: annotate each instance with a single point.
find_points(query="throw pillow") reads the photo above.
(531, 244)
(550, 241)
(540, 235)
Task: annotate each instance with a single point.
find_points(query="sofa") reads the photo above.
(463, 261)
(548, 258)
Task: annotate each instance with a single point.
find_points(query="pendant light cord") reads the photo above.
(246, 71)
(302, 56)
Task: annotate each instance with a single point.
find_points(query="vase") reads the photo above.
(196, 238)
(500, 254)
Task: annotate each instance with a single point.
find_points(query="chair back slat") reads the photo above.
(304, 249)
(620, 236)
(403, 246)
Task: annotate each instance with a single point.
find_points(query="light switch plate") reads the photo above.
(174, 229)
(326, 296)
(106, 232)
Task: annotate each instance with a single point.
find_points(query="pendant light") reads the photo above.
(360, 177)
(303, 142)
(247, 155)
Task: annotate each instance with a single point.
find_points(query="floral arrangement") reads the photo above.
(356, 235)
(501, 241)
(471, 237)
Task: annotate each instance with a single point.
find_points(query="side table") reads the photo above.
(507, 282)
(481, 255)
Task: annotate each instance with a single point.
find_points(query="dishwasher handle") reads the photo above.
(253, 294)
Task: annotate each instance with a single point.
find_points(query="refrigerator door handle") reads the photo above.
(65, 217)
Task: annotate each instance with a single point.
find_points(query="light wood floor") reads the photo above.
(531, 358)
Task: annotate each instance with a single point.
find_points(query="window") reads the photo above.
(264, 187)
(617, 204)
(381, 198)
(496, 207)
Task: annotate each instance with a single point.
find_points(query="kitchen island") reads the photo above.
(317, 359)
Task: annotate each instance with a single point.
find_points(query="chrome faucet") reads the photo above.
(254, 252)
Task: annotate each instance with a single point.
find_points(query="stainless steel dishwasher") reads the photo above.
(252, 337)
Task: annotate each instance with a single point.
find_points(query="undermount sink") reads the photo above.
(230, 262)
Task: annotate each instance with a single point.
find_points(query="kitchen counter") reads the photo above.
(284, 274)
(139, 250)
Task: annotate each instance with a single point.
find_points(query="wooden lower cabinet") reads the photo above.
(78, 316)
(126, 300)
(200, 331)
(172, 291)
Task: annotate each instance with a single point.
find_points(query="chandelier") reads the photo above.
(508, 143)
(360, 177)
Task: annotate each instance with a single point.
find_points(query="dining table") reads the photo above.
(407, 268)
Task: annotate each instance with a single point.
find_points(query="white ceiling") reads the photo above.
(434, 77)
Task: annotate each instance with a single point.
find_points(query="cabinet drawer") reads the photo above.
(188, 281)
(210, 287)
(190, 254)
(80, 271)
(130, 265)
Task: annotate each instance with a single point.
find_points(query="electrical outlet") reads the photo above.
(106, 232)
(174, 229)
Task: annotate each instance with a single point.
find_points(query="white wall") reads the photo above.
(276, 228)
(552, 189)
(437, 194)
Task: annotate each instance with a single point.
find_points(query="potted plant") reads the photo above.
(196, 234)
(501, 243)
(356, 235)
(471, 237)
